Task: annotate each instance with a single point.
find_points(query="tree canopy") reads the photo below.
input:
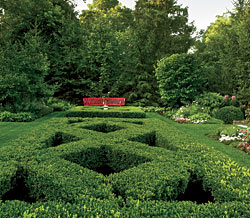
(225, 50)
(47, 49)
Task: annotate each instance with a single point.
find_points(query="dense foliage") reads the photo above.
(180, 79)
(108, 48)
(229, 113)
(224, 50)
(23, 70)
(161, 29)
(210, 101)
(47, 49)
(118, 167)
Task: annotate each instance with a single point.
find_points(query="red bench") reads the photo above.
(100, 101)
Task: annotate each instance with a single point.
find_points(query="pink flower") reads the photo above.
(233, 97)
(226, 97)
(243, 105)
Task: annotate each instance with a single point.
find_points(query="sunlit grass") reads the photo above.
(199, 133)
(12, 130)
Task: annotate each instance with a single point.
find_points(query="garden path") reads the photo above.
(12, 130)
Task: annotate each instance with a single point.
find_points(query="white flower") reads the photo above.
(229, 138)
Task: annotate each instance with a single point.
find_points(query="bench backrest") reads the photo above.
(100, 102)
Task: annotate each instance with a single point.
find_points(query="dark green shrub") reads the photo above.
(16, 117)
(24, 67)
(180, 79)
(59, 105)
(229, 113)
(39, 109)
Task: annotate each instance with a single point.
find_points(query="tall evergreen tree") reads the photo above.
(56, 23)
(161, 29)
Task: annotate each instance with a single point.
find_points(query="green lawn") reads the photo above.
(12, 130)
(199, 131)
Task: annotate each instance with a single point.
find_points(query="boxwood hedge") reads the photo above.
(122, 112)
(118, 167)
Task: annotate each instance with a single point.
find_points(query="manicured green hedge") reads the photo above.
(121, 112)
(90, 207)
(7, 172)
(118, 167)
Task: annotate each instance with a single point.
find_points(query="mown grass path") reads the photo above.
(12, 130)
(199, 131)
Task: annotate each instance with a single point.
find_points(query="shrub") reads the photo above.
(193, 113)
(59, 105)
(229, 131)
(229, 113)
(180, 79)
(200, 117)
(228, 135)
(167, 112)
(16, 117)
(231, 101)
(188, 111)
(39, 109)
(209, 101)
(245, 145)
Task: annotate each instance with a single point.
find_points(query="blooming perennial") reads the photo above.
(181, 120)
(226, 97)
(242, 135)
(224, 138)
(187, 120)
(245, 146)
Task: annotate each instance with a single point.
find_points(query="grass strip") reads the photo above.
(13, 130)
(199, 131)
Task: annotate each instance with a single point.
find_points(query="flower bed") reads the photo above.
(235, 136)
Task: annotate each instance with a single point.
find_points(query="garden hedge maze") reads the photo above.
(122, 166)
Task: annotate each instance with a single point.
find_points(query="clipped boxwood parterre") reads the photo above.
(118, 167)
(121, 112)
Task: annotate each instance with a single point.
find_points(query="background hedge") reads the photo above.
(124, 112)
